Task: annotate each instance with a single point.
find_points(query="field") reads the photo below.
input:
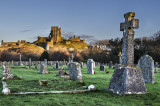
(30, 83)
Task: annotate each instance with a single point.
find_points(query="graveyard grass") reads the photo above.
(30, 82)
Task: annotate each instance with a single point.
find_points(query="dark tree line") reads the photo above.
(142, 46)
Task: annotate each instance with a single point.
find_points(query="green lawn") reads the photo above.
(30, 82)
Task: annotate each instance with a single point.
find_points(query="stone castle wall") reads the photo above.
(3, 44)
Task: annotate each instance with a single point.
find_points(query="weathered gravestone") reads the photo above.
(12, 62)
(36, 66)
(57, 64)
(61, 66)
(127, 79)
(156, 67)
(43, 69)
(90, 65)
(110, 64)
(43, 82)
(20, 61)
(75, 71)
(62, 73)
(102, 67)
(30, 63)
(45, 62)
(6, 72)
(15, 63)
(50, 63)
(81, 64)
(146, 63)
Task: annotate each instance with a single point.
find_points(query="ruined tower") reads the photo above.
(55, 34)
(2, 42)
(55, 39)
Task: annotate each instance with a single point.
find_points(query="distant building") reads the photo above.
(4, 44)
(55, 37)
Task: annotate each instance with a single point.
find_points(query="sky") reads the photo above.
(90, 19)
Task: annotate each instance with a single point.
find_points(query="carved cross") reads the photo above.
(128, 38)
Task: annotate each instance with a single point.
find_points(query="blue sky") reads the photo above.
(91, 19)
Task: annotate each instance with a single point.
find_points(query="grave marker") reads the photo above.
(127, 79)
(90, 65)
(146, 63)
(75, 71)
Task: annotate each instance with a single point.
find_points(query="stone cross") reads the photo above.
(120, 58)
(128, 38)
(20, 62)
(71, 57)
(128, 79)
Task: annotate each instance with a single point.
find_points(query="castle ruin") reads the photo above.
(4, 44)
(55, 37)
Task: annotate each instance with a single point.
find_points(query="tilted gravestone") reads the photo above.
(127, 79)
(90, 65)
(146, 63)
(102, 67)
(43, 69)
(156, 67)
(75, 71)
(6, 72)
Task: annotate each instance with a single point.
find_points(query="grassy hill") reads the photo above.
(75, 45)
(26, 50)
(30, 82)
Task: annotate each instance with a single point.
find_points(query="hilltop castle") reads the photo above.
(55, 38)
